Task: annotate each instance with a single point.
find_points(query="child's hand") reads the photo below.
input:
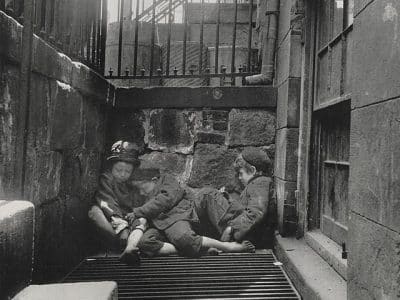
(130, 217)
(222, 190)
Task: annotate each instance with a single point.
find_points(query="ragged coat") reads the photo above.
(168, 204)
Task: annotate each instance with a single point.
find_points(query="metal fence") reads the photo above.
(76, 28)
(165, 12)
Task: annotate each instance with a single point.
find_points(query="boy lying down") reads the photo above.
(170, 222)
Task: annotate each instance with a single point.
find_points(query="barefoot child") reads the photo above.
(242, 219)
(115, 198)
(174, 221)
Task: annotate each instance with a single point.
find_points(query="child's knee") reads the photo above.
(188, 243)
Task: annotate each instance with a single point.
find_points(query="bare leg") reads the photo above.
(230, 247)
(131, 253)
(167, 249)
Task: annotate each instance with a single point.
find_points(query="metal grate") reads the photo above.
(227, 276)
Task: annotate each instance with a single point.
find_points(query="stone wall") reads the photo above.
(374, 230)
(65, 140)
(197, 146)
(288, 82)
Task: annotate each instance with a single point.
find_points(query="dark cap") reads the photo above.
(124, 151)
(257, 158)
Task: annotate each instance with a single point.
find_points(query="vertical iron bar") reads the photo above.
(153, 31)
(185, 12)
(136, 37)
(88, 31)
(24, 105)
(2, 5)
(121, 27)
(250, 32)
(201, 38)
(103, 35)
(217, 36)
(169, 35)
(234, 43)
(98, 40)
(142, 6)
(93, 33)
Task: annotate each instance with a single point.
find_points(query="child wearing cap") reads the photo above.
(116, 197)
(242, 219)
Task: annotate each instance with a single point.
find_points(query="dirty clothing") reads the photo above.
(180, 234)
(116, 198)
(171, 212)
(168, 204)
(243, 215)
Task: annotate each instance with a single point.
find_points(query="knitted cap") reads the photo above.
(257, 158)
(125, 151)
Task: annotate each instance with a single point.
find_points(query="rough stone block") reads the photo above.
(289, 58)
(102, 290)
(9, 100)
(285, 205)
(49, 62)
(94, 126)
(11, 38)
(251, 127)
(16, 240)
(66, 117)
(288, 103)
(374, 260)
(287, 154)
(172, 130)
(375, 69)
(127, 125)
(169, 163)
(375, 163)
(39, 112)
(206, 137)
(43, 175)
(213, 166)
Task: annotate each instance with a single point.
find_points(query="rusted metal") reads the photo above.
(239, 276)
(234, 43)
(153, 32)
(103, 35)
(121, 27)
(250, 32)
(217, 35)
(201, 38)
(169, 35)
(185, 11)
(136, 37)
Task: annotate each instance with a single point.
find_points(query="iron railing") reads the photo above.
(76, 28)
(185, 13)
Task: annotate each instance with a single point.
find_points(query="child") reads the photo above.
(115, 199)
(240, 219)
(174, 219)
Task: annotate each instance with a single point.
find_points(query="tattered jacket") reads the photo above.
(116, 198)
(250, 210)
(168, 204)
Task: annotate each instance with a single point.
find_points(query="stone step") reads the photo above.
(16, 245)
(103, 290)
(313, 277)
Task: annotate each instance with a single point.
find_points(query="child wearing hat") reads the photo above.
(242, 219)
(116, 197)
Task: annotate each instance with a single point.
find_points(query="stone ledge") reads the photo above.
(104, 290)
(47, 61)
(330, 251)
(16, 245)
(313, 277)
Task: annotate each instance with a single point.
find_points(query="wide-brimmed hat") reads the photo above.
(124, 151)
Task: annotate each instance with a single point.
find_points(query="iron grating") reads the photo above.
(226, 276)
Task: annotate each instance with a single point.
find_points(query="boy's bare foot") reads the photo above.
(213, 251)
(226, 235)
(130, 257)
(244, 247)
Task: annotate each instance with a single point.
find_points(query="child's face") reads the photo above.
(122, 171)
(245, 176)
(146, 187)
